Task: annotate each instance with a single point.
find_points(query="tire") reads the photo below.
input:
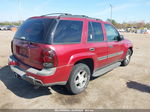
(127, 59)
(79, 78)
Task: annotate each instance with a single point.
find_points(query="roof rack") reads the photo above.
(82, 16)
(70, 15)
(95, 18)
(59, 14)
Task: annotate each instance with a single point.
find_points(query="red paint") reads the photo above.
(68, 54)
(13, 63)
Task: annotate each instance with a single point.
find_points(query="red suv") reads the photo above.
(67, 50)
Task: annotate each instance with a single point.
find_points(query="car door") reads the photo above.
(97, 44)
(115, 47)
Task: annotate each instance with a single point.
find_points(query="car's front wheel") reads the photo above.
(126, 61)
(79, 78)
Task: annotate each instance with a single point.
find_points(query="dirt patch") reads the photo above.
(121, 88)
(70, 99)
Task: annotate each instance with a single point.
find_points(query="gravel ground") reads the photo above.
(122, 88)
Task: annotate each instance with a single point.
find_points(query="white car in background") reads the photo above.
(3, 27)
(121, 30)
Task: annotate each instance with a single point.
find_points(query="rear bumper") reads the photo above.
(21, 74)
(44, 77)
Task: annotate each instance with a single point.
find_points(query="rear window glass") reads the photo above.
(95, 34)
(68, 31)
(36, 30)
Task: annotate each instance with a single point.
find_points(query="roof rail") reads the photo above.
(59, 14)
(83, 16)
(70, 15)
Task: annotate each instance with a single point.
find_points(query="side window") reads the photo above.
(95, 32)
(68, 32)
(112, 34)
(90, 32)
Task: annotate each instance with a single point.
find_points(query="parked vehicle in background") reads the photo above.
(67, 50)
(3, 27)
(10, 26)
(14, 28)
(143, 31)
(148, 31)
(121, 30)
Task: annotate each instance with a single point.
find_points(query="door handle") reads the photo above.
(110, 46)
(92, 49)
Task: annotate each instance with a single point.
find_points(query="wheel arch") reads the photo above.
(131, 48)
(87, 58)
(89, 62)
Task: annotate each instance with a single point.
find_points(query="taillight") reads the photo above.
(49, 58)
(13, 63)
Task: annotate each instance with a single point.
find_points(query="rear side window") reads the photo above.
(36, 30)
(95, 32)
(67, 32)
(112, 33)
(90, 33)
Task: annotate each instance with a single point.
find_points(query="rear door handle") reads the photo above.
(92, 49)
(110, 46)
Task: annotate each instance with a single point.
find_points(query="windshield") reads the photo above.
(36, 30)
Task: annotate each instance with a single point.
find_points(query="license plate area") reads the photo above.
(23, 52)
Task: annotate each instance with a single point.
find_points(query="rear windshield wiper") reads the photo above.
(23, 38)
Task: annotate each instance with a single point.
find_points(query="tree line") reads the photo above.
(137, 25)
(17, 23)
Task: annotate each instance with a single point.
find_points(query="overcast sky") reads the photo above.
(123, 10)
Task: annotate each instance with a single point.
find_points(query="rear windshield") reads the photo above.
(36, 30)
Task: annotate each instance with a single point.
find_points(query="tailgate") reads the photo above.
(28, 53)
(31, 38)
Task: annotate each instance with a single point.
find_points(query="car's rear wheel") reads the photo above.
(79, 78)
(127, 59)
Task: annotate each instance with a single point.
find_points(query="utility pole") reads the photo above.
(111, 9)
(19, 11)
(111, 12)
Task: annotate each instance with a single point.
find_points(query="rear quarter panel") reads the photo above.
(69, 54)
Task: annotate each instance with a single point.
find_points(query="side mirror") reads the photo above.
(121, 37)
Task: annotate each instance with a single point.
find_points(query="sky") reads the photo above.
(122, 10)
